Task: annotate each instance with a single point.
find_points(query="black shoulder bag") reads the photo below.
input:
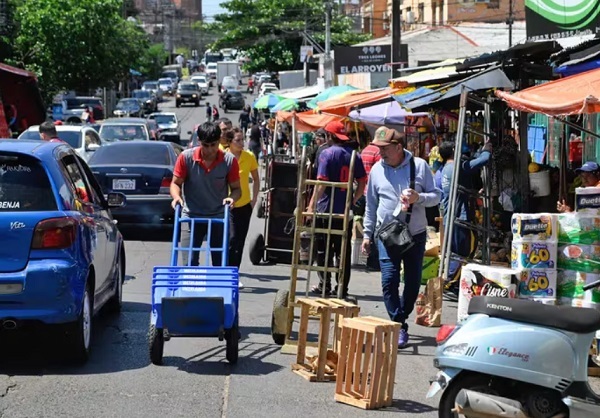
(395, 235)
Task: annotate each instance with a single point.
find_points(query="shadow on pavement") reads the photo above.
(212, 361)
(417, 341)
(263, 277)
(408, 407)
(147, 233)
(118, 343)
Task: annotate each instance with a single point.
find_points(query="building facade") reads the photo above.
(416, 14)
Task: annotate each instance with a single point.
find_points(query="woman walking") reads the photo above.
(242, 211)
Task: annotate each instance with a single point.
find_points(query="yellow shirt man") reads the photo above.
(247, 163)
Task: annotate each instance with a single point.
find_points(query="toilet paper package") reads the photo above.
(579, 228)
(533, 254)
(579, 257)
(587, 200)
(477, 280)
(534, 226)
(538, 285)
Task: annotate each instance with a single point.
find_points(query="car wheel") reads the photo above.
(115, 303)
(80, 332)
(177, 104)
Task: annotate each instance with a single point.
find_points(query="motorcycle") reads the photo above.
(517, 358)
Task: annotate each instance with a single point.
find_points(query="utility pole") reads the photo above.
(328, 62)
(510, 22)
(306, 66)
(396, 36)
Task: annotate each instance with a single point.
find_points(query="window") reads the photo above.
(76, 180)
(24, 185)
(91, 138)
(132, 153)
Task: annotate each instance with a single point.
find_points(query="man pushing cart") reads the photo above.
(190, 300)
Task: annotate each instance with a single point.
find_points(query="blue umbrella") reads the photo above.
(286, 105)
(329, 93)
(267, 102)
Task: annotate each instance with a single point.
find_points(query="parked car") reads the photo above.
(166, 85)
(73, 107)
(83, 138)
(232, 99)
(62, 257)
(128, 107)
(187, 92)
(169, 128)
(202, 83)
(143, 172)
(267, 88)
(125, 129)
(150, 102)
(152, 86)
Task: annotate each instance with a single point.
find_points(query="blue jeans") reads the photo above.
(399, 308)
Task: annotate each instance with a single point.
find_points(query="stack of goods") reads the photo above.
(587, 200)
(477, 280)
(534, 255)
(579, 257)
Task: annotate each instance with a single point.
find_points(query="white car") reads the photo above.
(84, 139)
(267, 88)
(167, 85)
(202, 83)
(211, 70)
(168, 125)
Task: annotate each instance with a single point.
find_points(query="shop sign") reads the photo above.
(555, 19)
(366, 59)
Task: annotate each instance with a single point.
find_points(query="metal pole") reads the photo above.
(487, 198)
(396, 37)
(510, 22)
(328, 67)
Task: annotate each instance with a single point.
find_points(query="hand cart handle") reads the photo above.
(177, 231)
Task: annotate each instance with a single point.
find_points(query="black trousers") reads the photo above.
(335, 250)
(241, 223)
(200, 232)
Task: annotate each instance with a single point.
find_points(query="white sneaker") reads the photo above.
(240, 285)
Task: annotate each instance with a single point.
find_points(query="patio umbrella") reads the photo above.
(285, 104)
(383, 114)
(330, 93)
(267, 102)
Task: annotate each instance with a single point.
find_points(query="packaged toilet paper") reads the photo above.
(538, 285)
(477, 280)
(587, 200)
(534, 226)
(570, 289)
(533, 254)
(579, 257)
(579, 228)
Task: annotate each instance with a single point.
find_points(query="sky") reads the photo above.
(211, 8)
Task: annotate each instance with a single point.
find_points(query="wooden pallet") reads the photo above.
(367, 362)
(324, 309)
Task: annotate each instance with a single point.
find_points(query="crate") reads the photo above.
(324, 309)
(367, 362)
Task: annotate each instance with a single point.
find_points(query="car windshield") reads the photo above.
(188, 86)
(77, 102)
(167, 81)
(24, 185)
(132, 153)
(128, 104)
(199, 79)
(164, 119)
(235, 93)
(151, 86)
(141, 94)
(72, 138)
(123, 132)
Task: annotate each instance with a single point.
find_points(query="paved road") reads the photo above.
(195, 380)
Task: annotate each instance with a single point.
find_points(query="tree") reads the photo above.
(76, 44)
(269, 31)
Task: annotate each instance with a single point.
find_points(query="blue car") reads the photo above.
(62, 257)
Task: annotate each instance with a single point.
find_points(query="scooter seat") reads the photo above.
(578, 320)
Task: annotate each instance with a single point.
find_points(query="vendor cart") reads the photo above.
(275, 243)
(195, 301)
(304, 249)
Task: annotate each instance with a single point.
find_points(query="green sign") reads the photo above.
(553, 19)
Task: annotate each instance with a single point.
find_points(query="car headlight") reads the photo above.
(179, 95)
(194, 96)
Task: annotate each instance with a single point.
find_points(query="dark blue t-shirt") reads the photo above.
(334, 165)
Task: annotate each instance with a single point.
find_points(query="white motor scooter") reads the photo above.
(517, 358)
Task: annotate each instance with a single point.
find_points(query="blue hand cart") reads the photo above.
(198, 301)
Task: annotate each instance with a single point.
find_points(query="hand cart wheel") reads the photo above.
(232, 338)
(257, 249)
(279, 317)
(156, 344)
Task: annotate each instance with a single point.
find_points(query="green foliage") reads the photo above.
(269, 31)
(77, 44)
(151, 63)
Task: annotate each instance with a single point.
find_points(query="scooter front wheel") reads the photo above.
(472, 381)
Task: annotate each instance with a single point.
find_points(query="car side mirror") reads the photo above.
(92, 147)
(116, 200)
